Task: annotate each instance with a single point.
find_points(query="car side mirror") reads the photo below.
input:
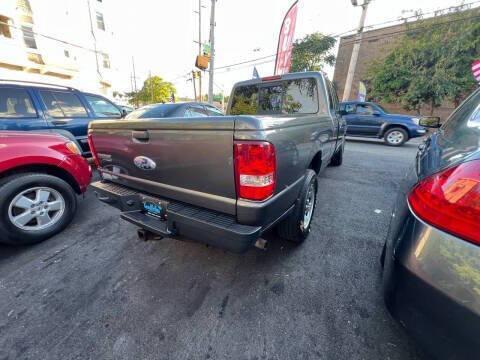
(376, 113)
(341, 112)
(124, 113)
(430, 122)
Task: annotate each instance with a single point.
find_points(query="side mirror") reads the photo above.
(124, 113)
(376, 113)
(430, 122)
(341, 112)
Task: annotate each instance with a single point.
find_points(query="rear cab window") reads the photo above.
(298, 96)
(16, 103)
(63, 104)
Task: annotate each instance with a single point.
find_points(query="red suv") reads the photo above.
(41, 175)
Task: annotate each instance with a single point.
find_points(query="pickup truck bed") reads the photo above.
(221, 180)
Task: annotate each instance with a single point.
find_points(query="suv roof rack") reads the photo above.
(38, 83)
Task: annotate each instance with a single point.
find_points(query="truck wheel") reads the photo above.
(34, 207)
(337, 158)
(297, 226)
(395, 137)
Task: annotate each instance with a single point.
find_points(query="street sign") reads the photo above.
(207, 49)
(202, 62)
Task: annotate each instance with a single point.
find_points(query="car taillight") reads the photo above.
(254, 169)
(93, 151)
(450, 200)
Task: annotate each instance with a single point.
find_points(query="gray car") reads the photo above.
(183, 109)
(225, 180)
(431, 258)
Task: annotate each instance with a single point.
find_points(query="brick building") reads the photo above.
(375, 45)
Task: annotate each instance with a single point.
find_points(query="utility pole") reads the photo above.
(356, 50)
(194, 86)
(212, 53)
(135, 80)
(151, 86)
(94, 39)
(199, 46)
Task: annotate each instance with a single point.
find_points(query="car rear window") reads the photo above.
(16, 104)
(61, 104)
(153, 111)
(286, 97)
(465, 120)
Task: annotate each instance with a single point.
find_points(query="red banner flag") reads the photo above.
(285, 40)
(476, 70)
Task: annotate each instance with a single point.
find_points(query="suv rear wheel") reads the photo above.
(395, 137)
(34, 207)
(297, 226)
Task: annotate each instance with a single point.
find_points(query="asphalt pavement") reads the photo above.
(97, 292)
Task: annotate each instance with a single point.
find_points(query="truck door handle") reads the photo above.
(140, 135)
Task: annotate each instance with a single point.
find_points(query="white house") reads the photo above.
(63, 42)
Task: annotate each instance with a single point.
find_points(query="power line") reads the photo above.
(336, 36)
(52, 38)
(372, 26)
(403, 31)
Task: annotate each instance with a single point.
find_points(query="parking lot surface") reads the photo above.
(97, 292)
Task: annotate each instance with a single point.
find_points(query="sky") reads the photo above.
(160, 34)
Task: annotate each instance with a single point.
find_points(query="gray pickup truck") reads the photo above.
(225, 180)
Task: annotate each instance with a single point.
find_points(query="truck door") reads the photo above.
(18, 110)
(365, 121)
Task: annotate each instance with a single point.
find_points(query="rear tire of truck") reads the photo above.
(296, 227)
(337, 158)
(34, 207)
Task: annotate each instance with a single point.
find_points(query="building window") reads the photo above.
(66, 53)
(29, 37)
(4, 27)
(106, 61)
(100, 22)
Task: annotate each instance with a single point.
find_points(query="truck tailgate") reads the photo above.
(186, 159)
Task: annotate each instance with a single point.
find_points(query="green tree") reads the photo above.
(431, 64)
(312, 52)
(154, 90)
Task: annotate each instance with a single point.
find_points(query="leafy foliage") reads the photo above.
(432, 63)
(312, 52)
(154, 90)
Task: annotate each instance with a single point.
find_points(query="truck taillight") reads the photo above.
(450, 200)
(93, 151)
(255, 167)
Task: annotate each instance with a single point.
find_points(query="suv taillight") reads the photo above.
(450, 200)
(93, 151)
(254, 169)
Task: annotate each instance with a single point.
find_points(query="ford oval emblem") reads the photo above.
(144, 163)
